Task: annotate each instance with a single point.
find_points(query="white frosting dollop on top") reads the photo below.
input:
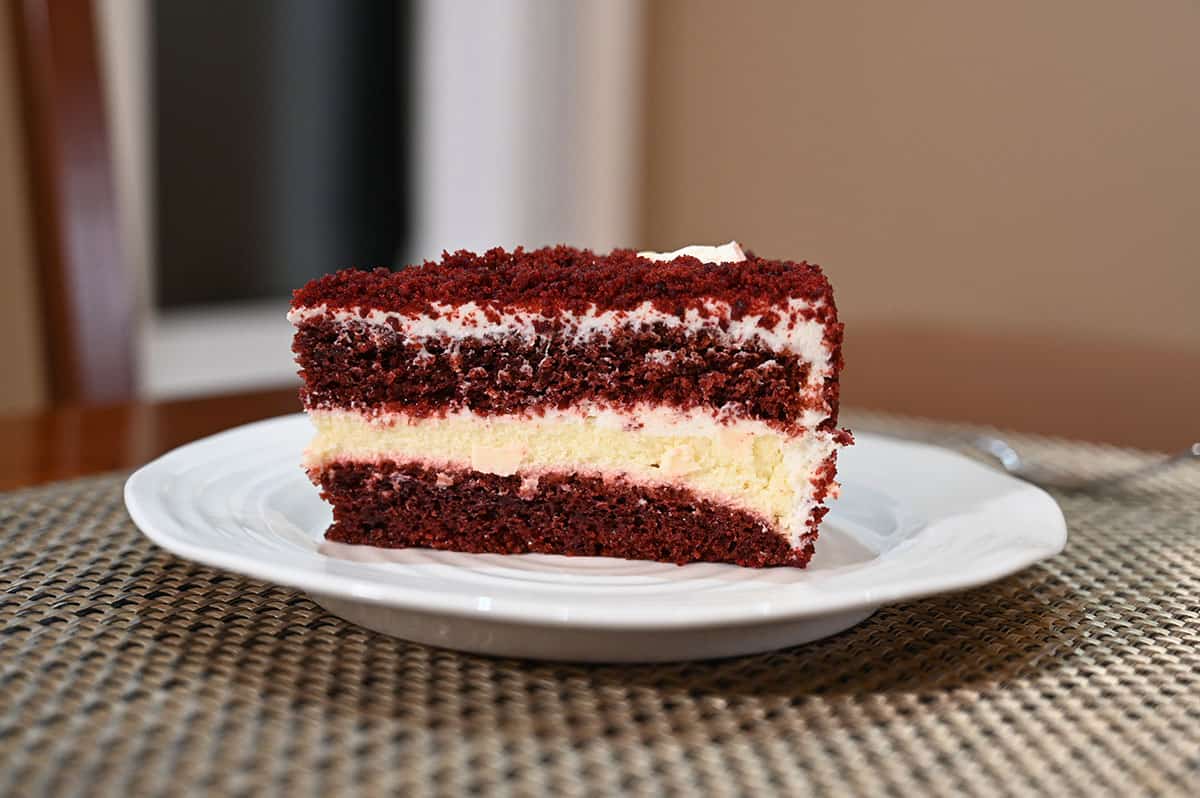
(725, 253)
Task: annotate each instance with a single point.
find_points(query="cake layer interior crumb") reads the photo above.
(359, 364)
(400, 505)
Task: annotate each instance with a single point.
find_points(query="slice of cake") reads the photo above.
(677, 407)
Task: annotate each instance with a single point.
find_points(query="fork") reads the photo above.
(1011, 462)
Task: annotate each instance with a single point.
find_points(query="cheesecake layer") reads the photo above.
(400, 505)
(747, 465)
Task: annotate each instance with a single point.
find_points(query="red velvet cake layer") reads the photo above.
(565, 278)
(357, 364)
(504, 335)
(398, 505)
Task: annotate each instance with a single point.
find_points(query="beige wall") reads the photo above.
(1019, 166)
(22, 384)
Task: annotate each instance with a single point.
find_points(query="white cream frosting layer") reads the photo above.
(792, 333)
(745, 464)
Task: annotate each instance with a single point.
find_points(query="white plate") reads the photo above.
(912, 520)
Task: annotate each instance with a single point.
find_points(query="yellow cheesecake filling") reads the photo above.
(745, 464)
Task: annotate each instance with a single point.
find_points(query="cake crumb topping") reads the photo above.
(553, 279)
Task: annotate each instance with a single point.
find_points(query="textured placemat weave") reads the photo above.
(125, 671)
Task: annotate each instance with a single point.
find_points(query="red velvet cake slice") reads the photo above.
(677, 407)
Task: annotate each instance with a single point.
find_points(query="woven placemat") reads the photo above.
(126, 671)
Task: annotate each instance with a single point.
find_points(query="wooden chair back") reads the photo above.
(87, 293)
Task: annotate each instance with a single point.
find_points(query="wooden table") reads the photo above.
(73, 442)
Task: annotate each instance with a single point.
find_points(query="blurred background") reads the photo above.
(1005, 196)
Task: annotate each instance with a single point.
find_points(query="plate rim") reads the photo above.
(139, 497)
